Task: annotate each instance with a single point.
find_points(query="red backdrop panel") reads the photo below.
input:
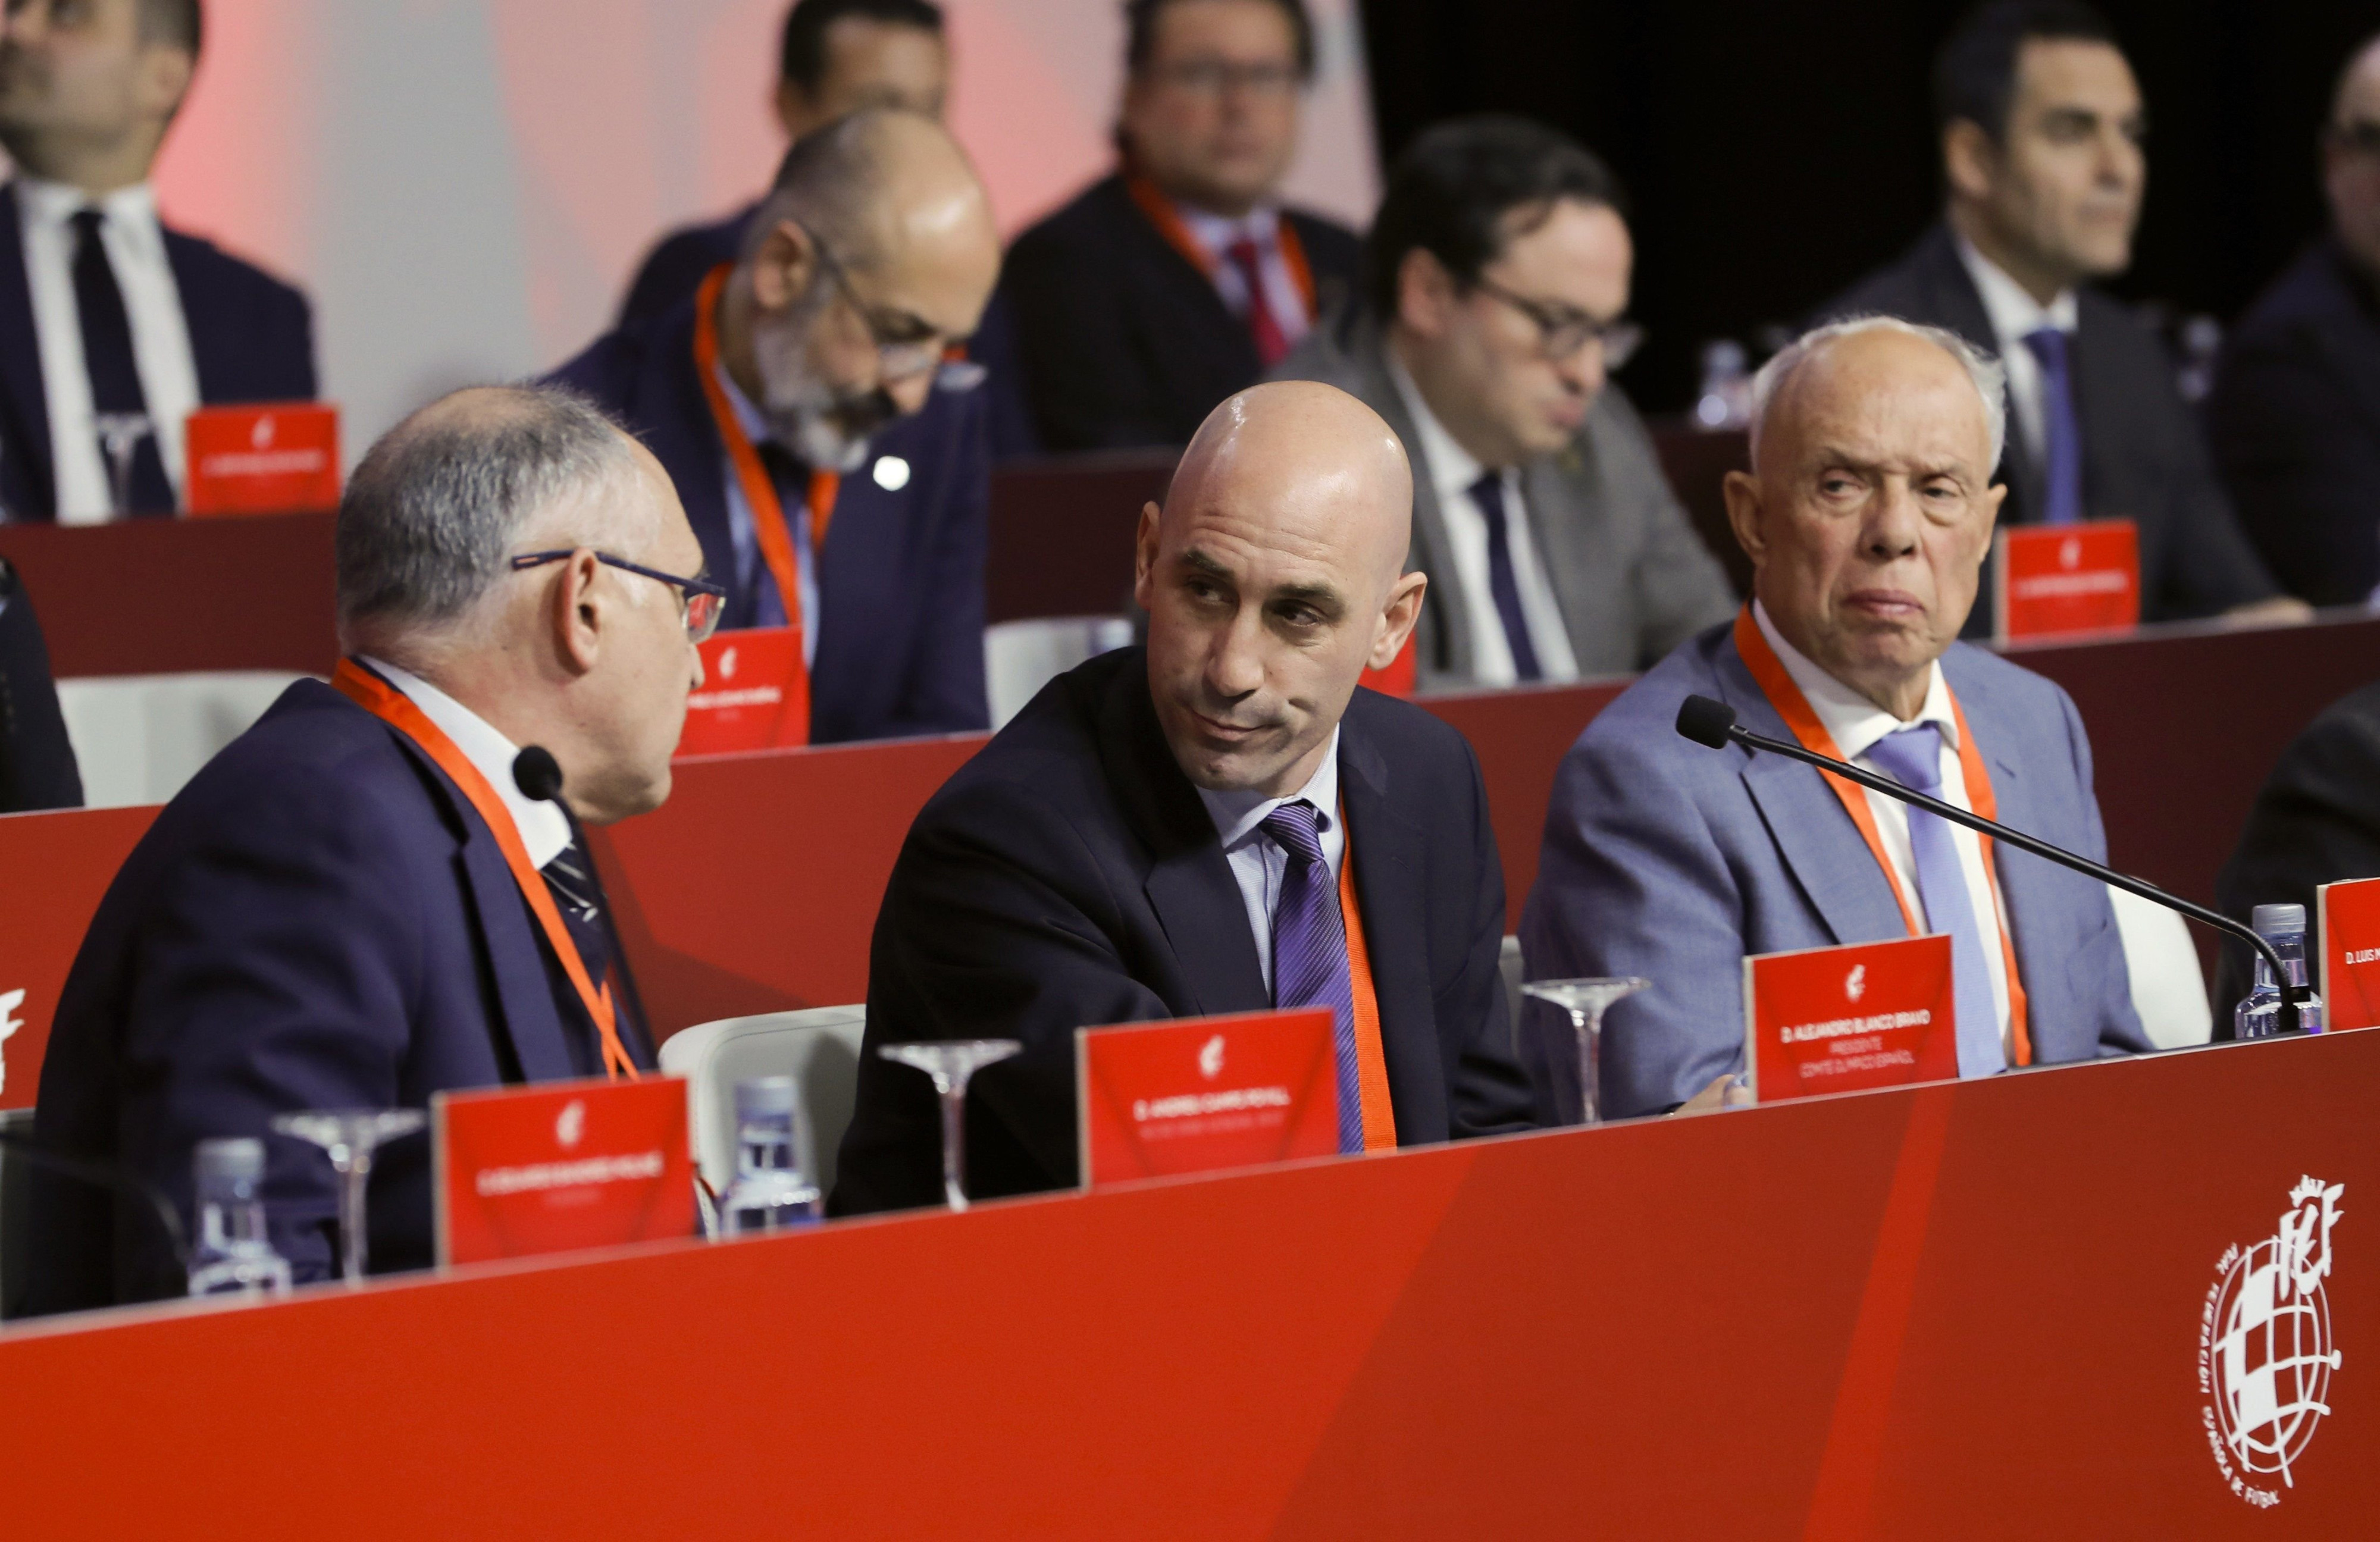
(57, 866)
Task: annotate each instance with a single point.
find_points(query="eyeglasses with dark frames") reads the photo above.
(699, 600)
(899, 360)
(1561, 332)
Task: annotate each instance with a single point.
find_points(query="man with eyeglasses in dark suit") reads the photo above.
(1496, 280)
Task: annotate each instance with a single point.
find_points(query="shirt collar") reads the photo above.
(543, 828)
(131, 211)
(2014, 312)
(1215, 233)
(1854, 722)
(749, 417)
(1239, 815)
(1452, 468)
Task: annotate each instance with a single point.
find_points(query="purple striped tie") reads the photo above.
(1913, 757)
(1309, 950)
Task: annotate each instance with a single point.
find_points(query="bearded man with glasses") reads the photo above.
(1494, 312)
(811, 404)
(377, 892)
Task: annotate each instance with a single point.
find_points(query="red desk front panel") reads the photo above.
(1972, 1310)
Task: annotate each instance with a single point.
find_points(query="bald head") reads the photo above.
(2351, 157)
(883, 186)
(1273, 577)
(1870, 503)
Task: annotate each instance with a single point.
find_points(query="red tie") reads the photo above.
(1272, 345)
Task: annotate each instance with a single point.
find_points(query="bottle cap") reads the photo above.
(765, 1098)
(237, 1161)
(2278, 920)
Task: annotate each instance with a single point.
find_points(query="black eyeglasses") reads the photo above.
(896, 358)
(1561, 332)
(699, 600)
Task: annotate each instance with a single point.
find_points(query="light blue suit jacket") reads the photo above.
(1672, 861)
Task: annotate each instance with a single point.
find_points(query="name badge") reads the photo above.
(747, 677)
(2060, 580)
(562, 1166)
(278, 458)
(2346, 941)
(1204, 1095)
(1849, 1019)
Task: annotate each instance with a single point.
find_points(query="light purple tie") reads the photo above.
(1309, 950)
(1913, 757)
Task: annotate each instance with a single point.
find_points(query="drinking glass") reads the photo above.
(349, 1137)
(120, 434)
(1586, 1000)
(950, 1062)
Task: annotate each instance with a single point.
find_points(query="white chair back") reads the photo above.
(2168, 986)
(820, 1046)
(1020, 656)
(139, 738)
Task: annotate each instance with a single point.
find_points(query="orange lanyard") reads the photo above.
(392, 707)
(1168, 221)
(1371, 1061)
(761, 495)
(1777, 685)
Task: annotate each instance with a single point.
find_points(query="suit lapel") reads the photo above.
(1574, 546)
(1387, 851)
(1444, 643)
(214, 338)
(682, 436)
(1189, 884)
(27, 404)
(1815, 835)
(1961, 309)
(2354, 349)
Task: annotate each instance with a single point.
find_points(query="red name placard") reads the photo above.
(1847, 1019)
(551, 1169)
(742, 703)
(278, 458)
(1205, 1093)
(2057, 580)
(2346, 942)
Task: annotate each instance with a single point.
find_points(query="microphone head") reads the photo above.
(1705, 721)
(537, 774)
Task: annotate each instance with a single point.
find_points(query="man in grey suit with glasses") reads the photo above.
(1496, 276)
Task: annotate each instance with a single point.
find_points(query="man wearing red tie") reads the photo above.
(1181, 278)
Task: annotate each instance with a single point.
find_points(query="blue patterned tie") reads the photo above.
(1913, 757)
(1488, 493)
(1309, 950)
(2061, 457)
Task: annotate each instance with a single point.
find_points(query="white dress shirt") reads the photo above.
(1257, 863)
(161, 337)
(1857, 724)
(745, 532)
(543, 831)
(1216, 235)
(2014, 313)
(1452, 470)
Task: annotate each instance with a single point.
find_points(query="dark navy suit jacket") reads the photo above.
(251, 336)
(319, 920)
(2295, 417)
(901, 574)
(1070, 876)
(2143, 457)
(37, 760)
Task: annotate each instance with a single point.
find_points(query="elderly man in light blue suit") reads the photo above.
(1866, 516)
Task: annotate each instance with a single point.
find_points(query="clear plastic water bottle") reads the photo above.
(2259, 1015)
(234, 1256)
(1725, 400)
(774, 1187)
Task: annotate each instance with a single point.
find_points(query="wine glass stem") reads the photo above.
(352, 1180)
(1588, 1021)
(954, 1142)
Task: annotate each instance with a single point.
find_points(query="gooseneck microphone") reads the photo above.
(1710, 722)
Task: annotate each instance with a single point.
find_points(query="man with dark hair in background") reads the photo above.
(835, 57)
(1497, 275)
(105, 312)
(2295, 414)
(2041, 127)
(1181, 278)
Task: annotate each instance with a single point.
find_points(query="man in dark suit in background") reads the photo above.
(835, 472)
(1181, 278)
(1162, 827)
(105, 312)
(1497, 277)
(2295, 413)
(354, 905)
(835, 57)
(2040, 126)
(37, 762)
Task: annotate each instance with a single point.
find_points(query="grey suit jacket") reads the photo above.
(1668, 860)
(1630, 577)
